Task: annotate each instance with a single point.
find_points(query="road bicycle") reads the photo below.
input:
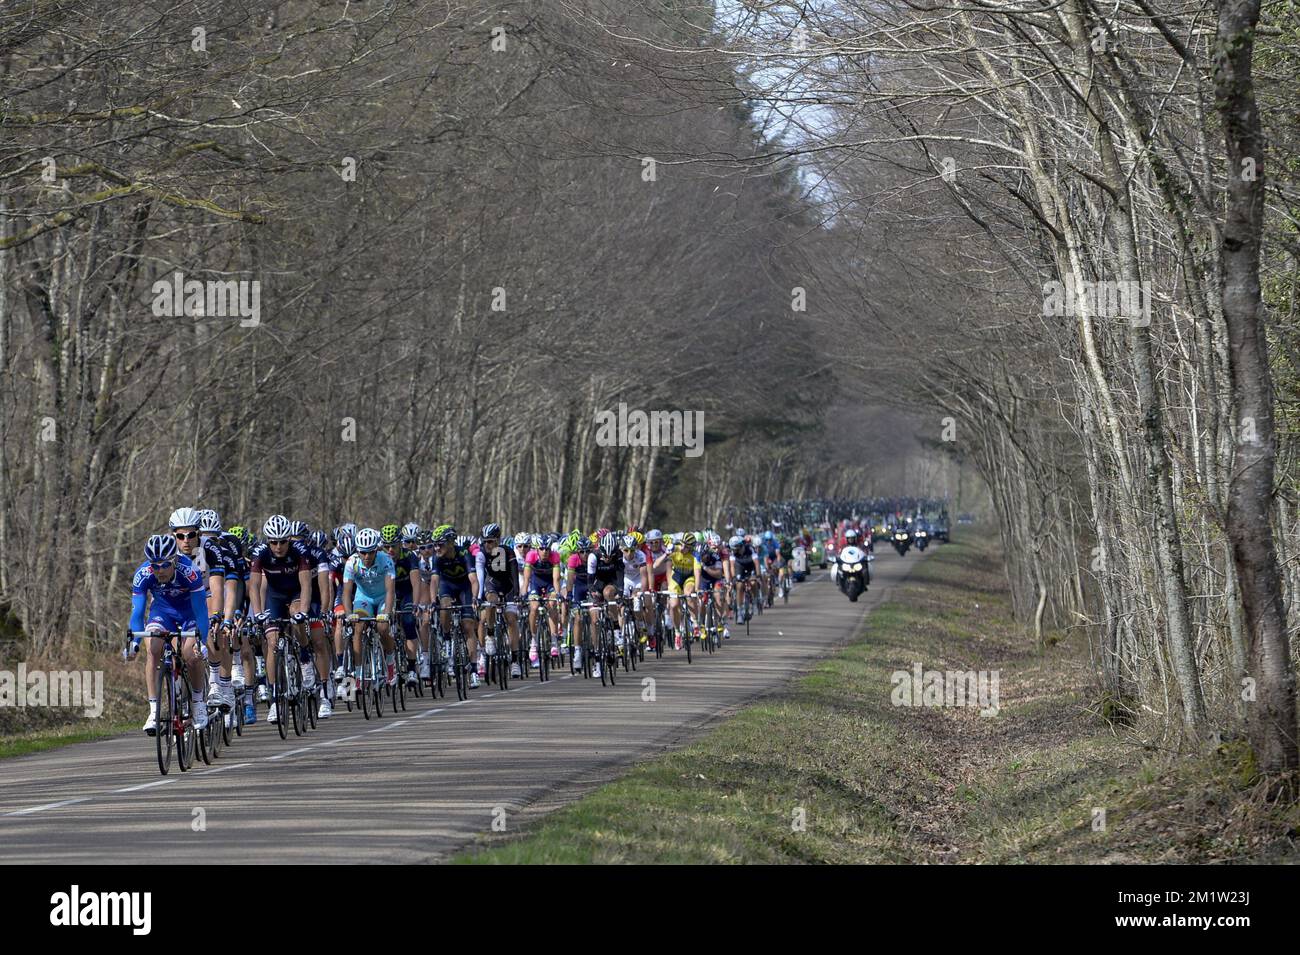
(175, 730)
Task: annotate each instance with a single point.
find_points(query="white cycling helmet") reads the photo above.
(210, 521)
(368, 540)
(736, 541)
(277, 527)
(654, 535)
(183, 517)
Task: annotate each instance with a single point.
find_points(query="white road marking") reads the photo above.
(292, 752)
(48, 805)
(160, 782)
(222, 769)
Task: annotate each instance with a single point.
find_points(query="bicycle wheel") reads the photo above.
(348, 697)
(183, 728)
(313, 705)
(611, 653)
(240, 697)
(569, 637)
(460, 667)
(278, 697)
(165, 735)
(294, 694)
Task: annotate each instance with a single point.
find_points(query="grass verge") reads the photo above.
(829, 770)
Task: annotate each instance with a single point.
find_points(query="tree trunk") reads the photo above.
(1271, 718)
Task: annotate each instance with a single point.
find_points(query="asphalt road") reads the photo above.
(415, 787)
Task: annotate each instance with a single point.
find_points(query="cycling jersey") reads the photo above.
(281, 572)
(709, 560)
(236, 563)
(499, 572)
(632, 571)
(543, 570)
(369, 581)
(660, 573)
(683, 561)
(454, 566)
(581, 578)
(405, 564)
(178, 604)
(606, 570)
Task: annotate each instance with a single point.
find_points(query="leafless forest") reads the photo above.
(473, 225)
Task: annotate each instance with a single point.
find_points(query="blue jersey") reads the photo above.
(370, 580)
(182, 598)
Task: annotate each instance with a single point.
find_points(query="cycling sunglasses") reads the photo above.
(161, 564)
(192, 535)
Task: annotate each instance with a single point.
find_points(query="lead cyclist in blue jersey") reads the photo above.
(172, 592)
(370, 587)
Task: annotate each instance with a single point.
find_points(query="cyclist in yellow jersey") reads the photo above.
(684, 578)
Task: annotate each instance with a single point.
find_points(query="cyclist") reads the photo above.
(370, 584)
(498, 569)
(743, 568)
(541, 583)
(636, 579)
(279, 589)
(171, 589)
(424, 549)
(207, 558)
(713, 576)
(328, 565)
(771, 563)
(221, 608)
(683, 581)
(576, 584)
(458, 586)
(344, 547)
(410, 588)
(243, 672)
(658, 564)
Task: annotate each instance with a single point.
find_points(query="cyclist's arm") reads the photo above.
(199, 606)
(256, 592)
(349, 588)
(323, 585)
(230, 603)
(390, 592)
(138, 603)
(304, 590)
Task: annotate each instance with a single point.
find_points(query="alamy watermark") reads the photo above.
(59, 688)
(966, 688)
(651, 429)
(210, 298)
(1129, 300)
(75, 908)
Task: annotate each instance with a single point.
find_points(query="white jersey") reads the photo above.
(632, 569)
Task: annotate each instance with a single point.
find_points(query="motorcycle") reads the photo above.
(901, 540)
(853, 571)
(922, 540)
